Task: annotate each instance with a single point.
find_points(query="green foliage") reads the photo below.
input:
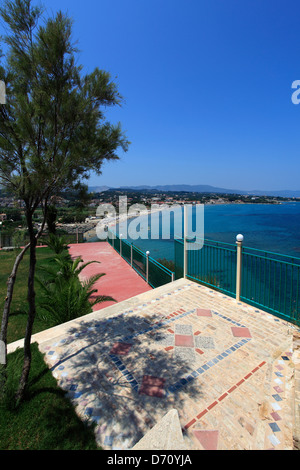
(46, 419)
(56, 243)
(53, 130)
(19, 309)
(19, 238)
(51, 218)
(12, 213)
(63, 295)
(9, 385)
(169, 264)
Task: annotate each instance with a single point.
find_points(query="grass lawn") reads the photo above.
(18, 311)
(45, 420)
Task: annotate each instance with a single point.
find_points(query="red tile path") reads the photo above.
(120, 281)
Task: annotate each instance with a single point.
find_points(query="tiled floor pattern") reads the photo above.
(225, 367)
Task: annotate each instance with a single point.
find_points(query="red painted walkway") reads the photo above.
(120, 281)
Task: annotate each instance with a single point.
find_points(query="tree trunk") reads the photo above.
(31, 312)
(6, 311)
(9, 295)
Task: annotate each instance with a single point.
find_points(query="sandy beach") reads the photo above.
(112, 222)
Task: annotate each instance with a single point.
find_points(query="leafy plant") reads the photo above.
(63, 296)
(169, 264)
(53, 129)
(56, 243)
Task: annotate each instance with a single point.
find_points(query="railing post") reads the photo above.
(173, 277)
(131, 255)
(121, 244)
(239, 242)
(147, 266)
(185, 229)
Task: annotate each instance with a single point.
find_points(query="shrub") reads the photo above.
(63, 296)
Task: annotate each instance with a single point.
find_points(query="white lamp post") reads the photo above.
(147, 266)
(185, 232)
(239, 242)
(121, 244)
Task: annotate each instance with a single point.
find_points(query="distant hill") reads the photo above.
(98, 189)
(200, 189)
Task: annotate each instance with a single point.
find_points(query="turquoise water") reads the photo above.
(269, 227)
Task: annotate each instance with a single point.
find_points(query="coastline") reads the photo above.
(111, 222)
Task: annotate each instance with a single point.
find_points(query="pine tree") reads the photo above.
(53, 132)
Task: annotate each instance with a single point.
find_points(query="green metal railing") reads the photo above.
(214, 264)
(269, 281)
(154, 273)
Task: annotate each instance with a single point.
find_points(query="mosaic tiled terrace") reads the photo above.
(228, 368)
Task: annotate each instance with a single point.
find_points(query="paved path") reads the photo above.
(121, 282)
(228, 368)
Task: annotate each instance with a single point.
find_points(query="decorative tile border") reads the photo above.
(124, 371)
(175, 317)
(157, 325)
(80, 395)
(171, 318)
(222, 397)
(275, 435)
(194, 374)
(208, 365)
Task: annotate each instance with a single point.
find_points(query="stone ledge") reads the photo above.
(107, 312)
(165, 435)
(296, 361)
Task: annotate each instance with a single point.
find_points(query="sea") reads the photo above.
(269, 227)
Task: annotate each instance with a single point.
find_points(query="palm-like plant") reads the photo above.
(68, 268)
(63, 296)
(56, 243)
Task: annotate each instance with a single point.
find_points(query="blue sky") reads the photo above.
(206, 86)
